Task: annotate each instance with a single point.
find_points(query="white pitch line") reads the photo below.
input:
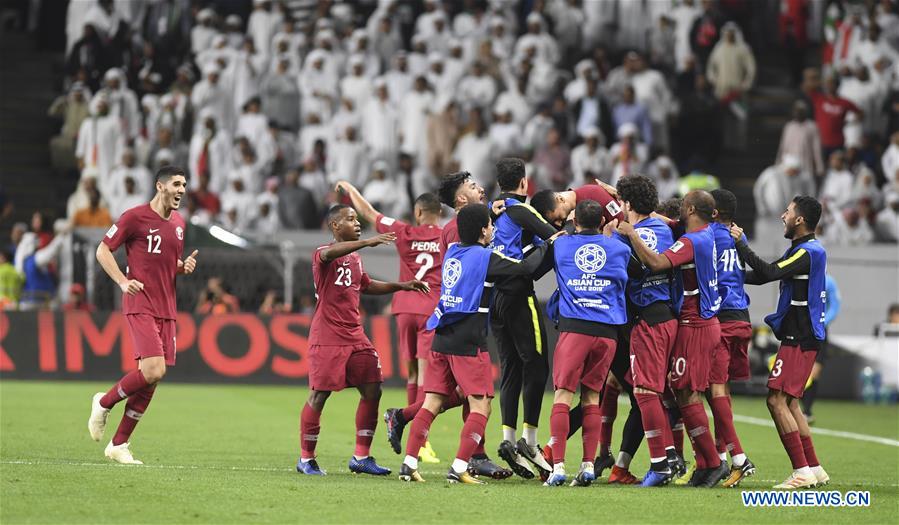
(823, 431)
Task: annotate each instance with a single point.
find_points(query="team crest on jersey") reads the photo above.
(590, 258)
(648, 237)
(452, 271)
(179, 232)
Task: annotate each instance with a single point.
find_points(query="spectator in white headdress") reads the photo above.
(211, 93)
(415, 107)
(210, 151)
(203, 32)
(264, 21)
(590, 159)
(356, 85)
(418, 58)
(100, 140)
(629, 154)
(666, 175)
(281, 96)
(318, 85)
(122, 103)
(381, 123)
(348, 158)
(477, 90)
(398, 78)
(545, 44)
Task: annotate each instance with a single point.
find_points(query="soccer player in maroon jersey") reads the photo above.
(340, 354)
(556, 207)
(419, 249)
(153, 235)
(699, 331)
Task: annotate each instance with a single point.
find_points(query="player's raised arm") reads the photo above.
(363, 207)
(339, 249)
(384, 288)
(344, 224)
(654, 261)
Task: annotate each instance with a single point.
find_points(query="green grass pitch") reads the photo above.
(226, 454)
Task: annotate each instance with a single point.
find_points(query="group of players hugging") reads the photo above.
(650, 300)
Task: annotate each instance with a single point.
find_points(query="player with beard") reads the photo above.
(799, 324)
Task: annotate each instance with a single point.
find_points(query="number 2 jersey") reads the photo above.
(420, 258)
(338, 285)
(153, 246)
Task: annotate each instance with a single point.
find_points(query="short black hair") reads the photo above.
(509, 172)
(167, 172)
(471, 220)
(429, 203)
(544, 202)
(894, 308)
(640, 191)
(725, 203)
(702, 202)
(809, 209)
(449, 185)
(335, 210)
(670, 208)
(588, 214)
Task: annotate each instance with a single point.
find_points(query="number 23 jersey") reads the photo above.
(153, 246)
(420, 258)
(338, 285)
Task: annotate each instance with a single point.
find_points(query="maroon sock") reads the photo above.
(724, 425)
(654, 421)
(479, 449)
(135, 407)
(410, 411)
(420, 394)
(608, 412)
(558, 428)
(419, 432)
(677, 437)
(411, 392)
(793, 445)
(310, 425)
(590, 431)
(697, 423)
(471, 436)
(809, 451)
(366, 423)
(132, 382)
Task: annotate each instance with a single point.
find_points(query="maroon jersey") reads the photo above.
(681, 254)
(611, 209)
(338, 284)
(420, 258)
(450, 235)
(154, 246)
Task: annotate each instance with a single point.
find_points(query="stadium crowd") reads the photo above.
(268, 111)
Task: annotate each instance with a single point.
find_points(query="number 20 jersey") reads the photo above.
(420, 258)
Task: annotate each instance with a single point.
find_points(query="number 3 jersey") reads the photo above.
(153, 246)
(338, 285)
(420, 258)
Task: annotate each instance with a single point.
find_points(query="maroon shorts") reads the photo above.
(582, 359)
(414, 340)
(335, 367)
(792, 366)
(650, 350)
(730, 361)
(473, 374)
(152, 337)
(691, 358)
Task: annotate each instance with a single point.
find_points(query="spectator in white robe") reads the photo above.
(76, 14)
(250, 67)
(129, 198)
(234, 31)
(128, 168)
(418, 57)
(413, 120)
(546, 46)
(666, 176)
(838, 183)
(104, 18)
(238, 205)
(684, 14)
(210, 151)
(348, 159)
(359, 44)
(629, 154)
(477, 90)
(318, 85)
(424, 24)
(506, 135)
(590, 159)
(436, 76)
(889, 162)
(381, 124)
(538, 127)
(886, 224)
(80, 198)
(214, 94)
(247, 165)
(263, 22)
(475, 152)
(652, 92)
(312, 131)
(347, 115)
(455, 64)
(201, 35)
(253, 124)
(100, 140)
(385, 41)
(502, 41)
(514, 100)
(382, 192)
(265, 220)
(122, 103)
(281, 96)
(356, 85)
(577, 88)
(315, 180)
(398, 78)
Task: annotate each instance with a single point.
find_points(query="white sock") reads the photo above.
(722, 456)
(359, 458)
(411, 462)
(624, 460)
(587, 466)
(306, 460)
(508, 434)
(738, 460)
(804, 472)
(530, 435)
(551, 442)
(559, 468)
(459, 466)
